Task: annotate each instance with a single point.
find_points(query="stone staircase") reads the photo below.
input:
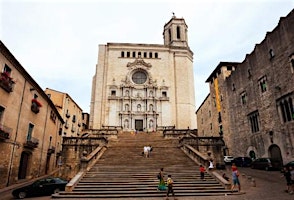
(123, 172)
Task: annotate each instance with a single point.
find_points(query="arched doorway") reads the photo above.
(275, 153)
(23, 165)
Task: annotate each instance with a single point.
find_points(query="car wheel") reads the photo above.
(57, 190)
(22, 195)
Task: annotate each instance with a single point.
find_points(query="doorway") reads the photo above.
(139, 124)
(23, 165)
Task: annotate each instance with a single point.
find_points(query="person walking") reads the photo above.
(210, 167)
(287, 175)
(170, 189)
(161, 185)
(202, 171)
(235, 178)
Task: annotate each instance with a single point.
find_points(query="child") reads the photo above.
(169, 183)
(235, 177)
(202, 170)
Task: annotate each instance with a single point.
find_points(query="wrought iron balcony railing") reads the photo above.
(32, 143)
(5, 132)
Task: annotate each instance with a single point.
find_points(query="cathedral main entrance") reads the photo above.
(139, 125)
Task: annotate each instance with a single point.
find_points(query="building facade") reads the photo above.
(30, 140)
(145, 86)
(256, 97)
(70, 112)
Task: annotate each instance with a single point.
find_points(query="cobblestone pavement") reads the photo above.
(270, 185)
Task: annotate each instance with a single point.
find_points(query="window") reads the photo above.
(292, 62)
(248, 73)
(134, 54)
(127, 93)
(169, 35)
(164, 94)
(113, 93)
(1, 113)
(178, 32)
(254, 121)
(229, 68)
(233, 87)
(271, 53)
(243, 98)
(139, 54)
(150, 54)
(30, 132)
(139, 77)
(263, 84)
(156, 55)
(7, 69)
(122, 54)
(286, 109)
(219, 117)
(128, 54)
(145, 54)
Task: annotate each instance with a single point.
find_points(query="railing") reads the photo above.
(35, 108)
(196, 155)
(32, 143)
(51, 150)
(5, 132)
(178, 133)
(87, 162)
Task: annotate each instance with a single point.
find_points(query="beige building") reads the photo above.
(30, 137)
(70, 112)
(145, 86)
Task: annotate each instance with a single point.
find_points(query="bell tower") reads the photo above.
(175, 32)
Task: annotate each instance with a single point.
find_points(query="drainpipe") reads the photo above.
(44, 129)
(16, 133)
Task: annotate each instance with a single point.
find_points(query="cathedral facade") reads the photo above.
(145, 86)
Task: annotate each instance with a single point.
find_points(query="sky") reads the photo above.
(56, 41)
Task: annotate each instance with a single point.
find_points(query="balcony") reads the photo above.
(6, 82)
(51, 150)
(31, 143)
(35, 107)
(4, 132)
(67, 115)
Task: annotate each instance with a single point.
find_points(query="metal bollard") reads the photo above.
(253, 182)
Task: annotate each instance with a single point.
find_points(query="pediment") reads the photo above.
(139, 63)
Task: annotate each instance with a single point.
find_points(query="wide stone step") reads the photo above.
(122, 171)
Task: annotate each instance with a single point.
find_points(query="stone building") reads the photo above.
(30, 140)
(257, 97)
(145, 86)
(69, 110)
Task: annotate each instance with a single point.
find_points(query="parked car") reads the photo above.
(266, 163)
(228, 159)
(242, 161)
(42, 187)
